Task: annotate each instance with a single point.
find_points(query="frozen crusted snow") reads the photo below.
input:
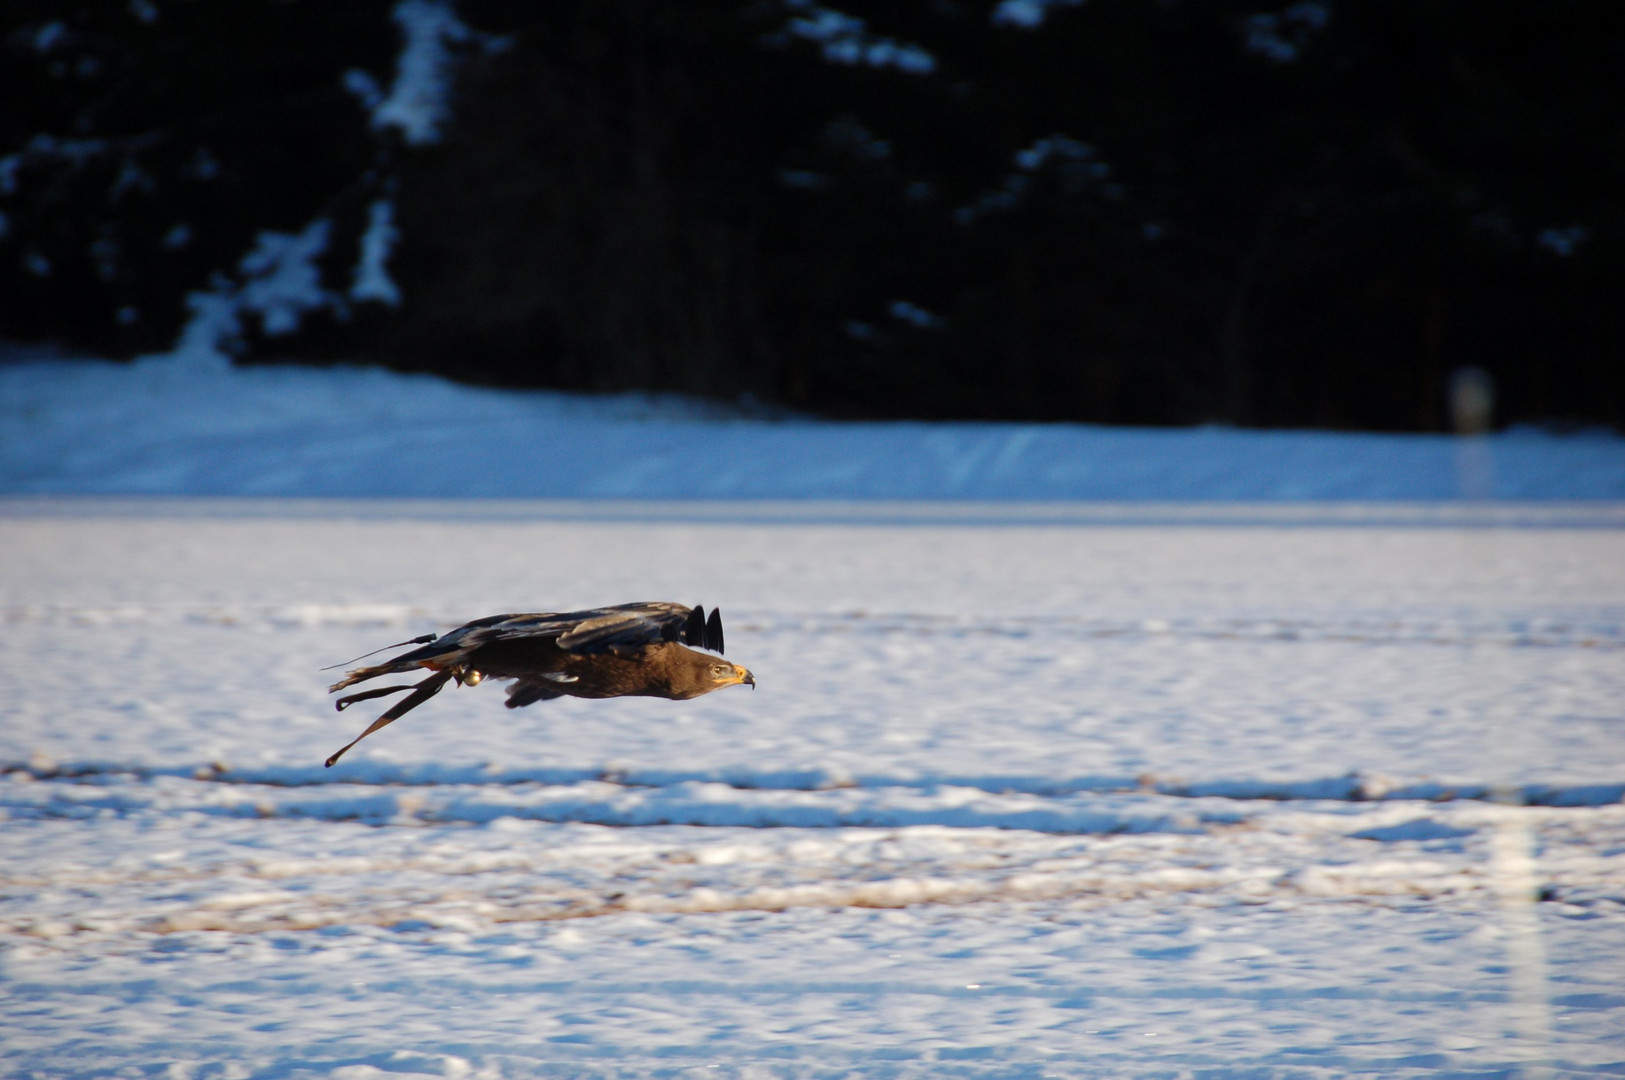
(1078, 793)
(190, 424)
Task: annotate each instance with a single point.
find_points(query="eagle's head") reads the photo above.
(722, 673)
(690, 674)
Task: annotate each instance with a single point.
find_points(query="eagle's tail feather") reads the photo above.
(422, 692)
(371, 671)
(345, 702)
(421, 639)
(417, 658)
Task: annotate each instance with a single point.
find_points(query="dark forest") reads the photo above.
(1121, 211)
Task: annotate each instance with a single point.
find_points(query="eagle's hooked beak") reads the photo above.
(745, 677)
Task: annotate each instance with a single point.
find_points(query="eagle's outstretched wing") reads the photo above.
(621, 630)
(596, 630)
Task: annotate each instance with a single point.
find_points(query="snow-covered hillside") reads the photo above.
(189, 424)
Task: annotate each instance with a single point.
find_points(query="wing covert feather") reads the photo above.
(604, 629)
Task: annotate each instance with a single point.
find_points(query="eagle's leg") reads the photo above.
(422, 692)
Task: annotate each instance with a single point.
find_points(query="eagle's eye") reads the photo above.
(722, 671)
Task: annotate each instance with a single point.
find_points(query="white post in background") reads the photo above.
(1472, 414)
(1512, 848)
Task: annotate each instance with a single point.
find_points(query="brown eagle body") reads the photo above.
(622, 651)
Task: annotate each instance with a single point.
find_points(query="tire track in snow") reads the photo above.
(245, 866)
(232, 902)
(1355, 787)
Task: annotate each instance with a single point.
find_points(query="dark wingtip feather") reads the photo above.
(694, 629)
(713, 630)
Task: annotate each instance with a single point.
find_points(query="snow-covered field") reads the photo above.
(1072, 799)
(1031, 786)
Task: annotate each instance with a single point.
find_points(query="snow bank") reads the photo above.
(173, 427)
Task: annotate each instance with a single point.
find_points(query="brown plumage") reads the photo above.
(621, 651)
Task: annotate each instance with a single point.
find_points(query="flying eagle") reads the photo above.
(629, 649)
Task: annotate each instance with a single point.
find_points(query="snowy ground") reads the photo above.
(191, 425)
(1255, 768)
(1113, 792)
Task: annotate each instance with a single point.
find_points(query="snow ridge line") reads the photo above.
(1354, 787)
(868, 988)
(1127, 509)
(598, 803)
(576, 876)
(1541, 632)
(463, 910)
